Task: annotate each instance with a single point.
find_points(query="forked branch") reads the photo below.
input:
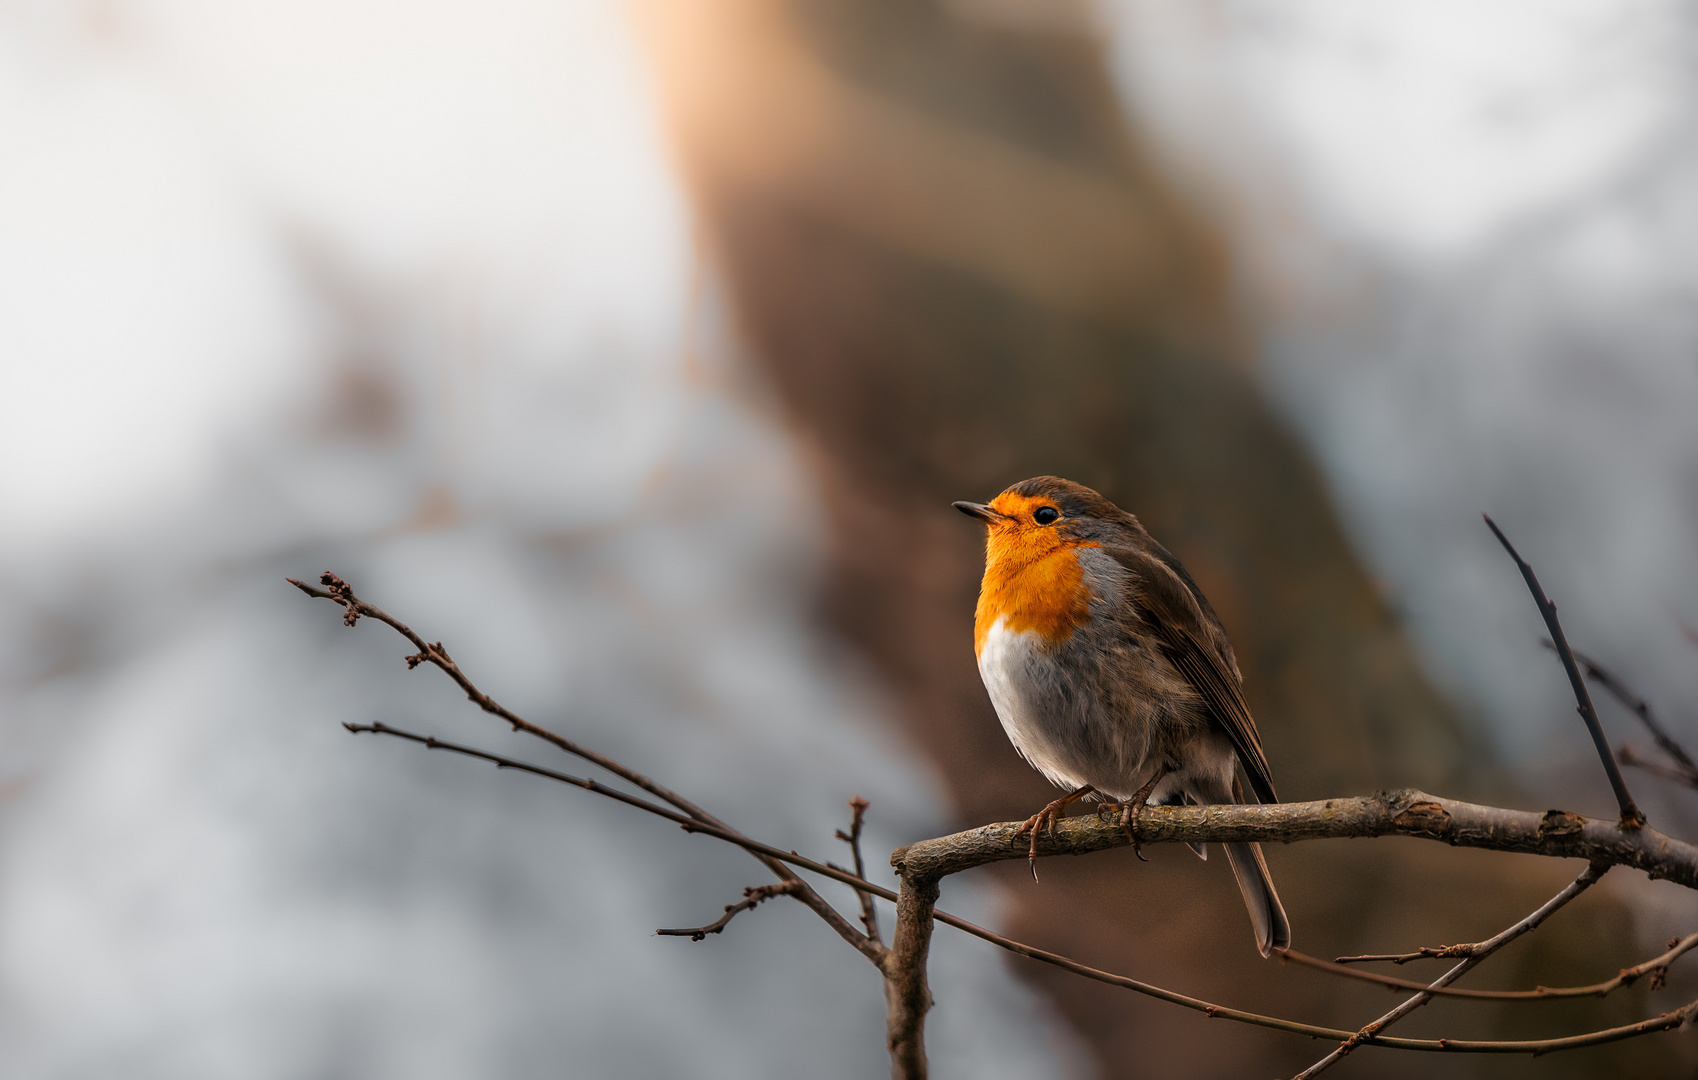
(1476, 955)
(923, 865)
(434, 654)
(1657, 968)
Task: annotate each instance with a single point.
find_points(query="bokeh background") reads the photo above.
(636, 349)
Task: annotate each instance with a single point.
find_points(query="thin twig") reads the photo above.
(1636, 705)
(1476, 956)
(1655, 967)
(683, 821)
(1685, 770)
(1631, 816)
(1661, 1022)
(857, 818)
(1672, 773)
(1425, 952)
(752, 897)
(341, 592)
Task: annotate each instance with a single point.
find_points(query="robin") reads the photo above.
(1112, 674)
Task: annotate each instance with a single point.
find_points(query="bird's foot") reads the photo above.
(1133, 807)
(1044, 821)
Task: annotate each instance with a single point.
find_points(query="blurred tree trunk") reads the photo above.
(948, 252)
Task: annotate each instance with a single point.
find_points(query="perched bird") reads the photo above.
(1111, 673)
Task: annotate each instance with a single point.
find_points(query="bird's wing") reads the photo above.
(1196, 645)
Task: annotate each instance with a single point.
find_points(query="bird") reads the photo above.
(1112, 675)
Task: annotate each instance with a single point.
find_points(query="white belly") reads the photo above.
(1016, 672)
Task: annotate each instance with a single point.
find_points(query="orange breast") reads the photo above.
(1035, 582)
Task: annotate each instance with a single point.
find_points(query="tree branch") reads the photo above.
(1685, 770)
(1405, 812)
(1631, 816)
(857, 818)
(1656, 967)
(1423, 953)
(1638, 706)
(1538, 1046)
(1672, 773)
(752, 897)
(907, 997)
(924, 864)
(684, 821)
(1477, 955)
(341, 592)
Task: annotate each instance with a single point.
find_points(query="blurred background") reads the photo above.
(636, 349)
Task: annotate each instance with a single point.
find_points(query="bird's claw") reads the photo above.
(1041, 822)
(1131, 823)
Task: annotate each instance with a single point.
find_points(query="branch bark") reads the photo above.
(907, 996)
(1405, 812)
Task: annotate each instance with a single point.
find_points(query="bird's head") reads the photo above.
(1044, 513)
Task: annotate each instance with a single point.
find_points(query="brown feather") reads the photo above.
(1194, 640)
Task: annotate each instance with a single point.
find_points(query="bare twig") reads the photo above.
(433, 653)
(1685, 770)
(1662, 1022)
(1636, 705)
(342, 593)
(752, 897)
(1631, 816)
(1425, 952)
(857, 818)
(1476, 955)
(1656, 967)
(1673, 773)
(684, 821)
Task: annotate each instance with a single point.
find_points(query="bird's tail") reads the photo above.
(1267, 917)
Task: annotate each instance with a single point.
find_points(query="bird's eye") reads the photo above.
(1046, 515)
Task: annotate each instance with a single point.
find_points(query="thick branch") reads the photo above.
(1405, 812)
(907, 996)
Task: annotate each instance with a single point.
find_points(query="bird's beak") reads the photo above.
(980, 511)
